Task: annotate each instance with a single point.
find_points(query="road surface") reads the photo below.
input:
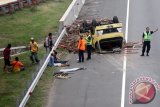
(143, 13)
(101, 84)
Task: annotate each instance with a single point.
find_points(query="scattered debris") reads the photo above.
(72, 70)
(63, 73)
(79, 27)
(60, 76)
(69, 42)
(132, 47)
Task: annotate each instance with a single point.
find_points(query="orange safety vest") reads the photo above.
(17, 66)
(81, 45)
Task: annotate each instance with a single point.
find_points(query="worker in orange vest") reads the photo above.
(81, 48)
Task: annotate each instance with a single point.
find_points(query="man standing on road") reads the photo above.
(34, 51)
(89, 45)
(7, 57)
(146, 40)
(81, 49)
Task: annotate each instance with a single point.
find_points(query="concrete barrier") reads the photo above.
(72, 13)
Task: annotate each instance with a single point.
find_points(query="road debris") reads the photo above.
(60, 76)
(70, 40)
(63, 73)
(132, 47)
(79, 27)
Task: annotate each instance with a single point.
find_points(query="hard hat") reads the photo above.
(32, 38)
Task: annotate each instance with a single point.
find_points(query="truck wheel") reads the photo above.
(115, 19)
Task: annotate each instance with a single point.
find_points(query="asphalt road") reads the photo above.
(100, 85)
(143, 13)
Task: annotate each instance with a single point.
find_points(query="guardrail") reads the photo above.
(14, 51)
(72, 13)
(68, 18)
(13, 48)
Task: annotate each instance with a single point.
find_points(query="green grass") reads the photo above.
(40, 95)
(17, 29)
(34, 22)
(12, 84)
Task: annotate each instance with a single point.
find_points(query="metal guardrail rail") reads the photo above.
(14, 51)
(20, 47)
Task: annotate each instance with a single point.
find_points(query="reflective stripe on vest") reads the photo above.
(147, 37)
(89, 42)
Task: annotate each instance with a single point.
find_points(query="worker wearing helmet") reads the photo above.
(34, 51)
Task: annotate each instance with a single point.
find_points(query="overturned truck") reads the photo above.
(106, 34)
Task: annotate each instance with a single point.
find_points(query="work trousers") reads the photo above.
(48, 49)
(146, 44)
(81, 56)
(89, 50)
(34, 57)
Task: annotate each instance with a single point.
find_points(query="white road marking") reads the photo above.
(125, 58)
(123, 82)
(127, 21)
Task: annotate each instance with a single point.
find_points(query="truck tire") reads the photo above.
(115, 19)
